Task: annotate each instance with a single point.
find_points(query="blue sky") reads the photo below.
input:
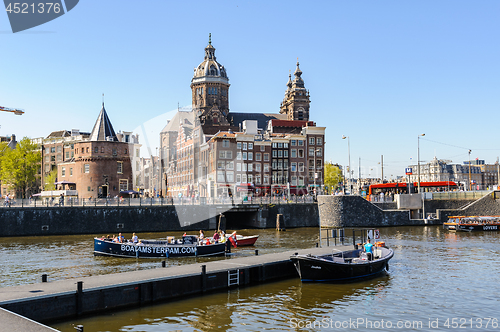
(380, 72)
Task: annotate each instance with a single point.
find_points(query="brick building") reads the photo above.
(101, 165)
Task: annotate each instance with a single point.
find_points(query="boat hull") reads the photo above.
(243, 241)
(323, 269)
(156, 249)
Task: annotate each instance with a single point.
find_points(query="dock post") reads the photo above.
(79, 298)
(203, 278)
(280, 223)
(256, 252)
(163, 263)
(44, 278)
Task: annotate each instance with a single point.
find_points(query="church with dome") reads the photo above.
(209, 151)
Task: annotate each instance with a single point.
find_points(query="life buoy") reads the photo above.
(233, 241)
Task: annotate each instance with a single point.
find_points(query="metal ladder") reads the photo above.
(233, 277)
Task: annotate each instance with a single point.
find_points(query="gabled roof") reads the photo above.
(103, 128)
(59, 133)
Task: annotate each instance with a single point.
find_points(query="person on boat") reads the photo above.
(202, 235)
(114, 239)
(140, 243)
(222, 237)
(369, 249)
(216, 237)
(135, 239)
(121, 239)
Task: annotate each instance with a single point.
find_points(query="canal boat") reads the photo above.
(473, 223)
(343, 266)
(241, 240)
(187, 246)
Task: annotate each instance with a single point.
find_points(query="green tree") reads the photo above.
(333, 176)
(50, 180)
(20, 166)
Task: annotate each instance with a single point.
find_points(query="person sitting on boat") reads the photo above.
(369, 249)
(202, 235)
(121, 239)
(222, 237)
(216, 237)
(135, 239)
(140, 243)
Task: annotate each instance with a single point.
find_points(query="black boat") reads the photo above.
(187, 246)
(342, 266)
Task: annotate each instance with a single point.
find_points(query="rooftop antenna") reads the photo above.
(209, 38)
(103, 99)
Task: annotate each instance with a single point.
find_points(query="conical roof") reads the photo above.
(103, 129)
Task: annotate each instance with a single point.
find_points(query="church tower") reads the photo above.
(210, 90)
(296, 102)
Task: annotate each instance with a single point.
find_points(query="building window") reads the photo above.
(319, 141)
(53, 149)
(293, 142)
(301, 143)
(262, 148)
(250, 168)
(285, 145)
(280, 153)
(250, 155)
(294, 153)
(294, 180)
(250, 178)
(120, 167)
(123, 184)
(238, 167)
(275, 164)
(258, 156)
(318, 152)
(250, 146)
(220, 176)
(238, 177)
(266, 167)
(294, 167)
(244, 145)
(257, 167)
(86, 168)
(52, 158)
(225, 143)
(67, 154)
(244, 167)
(301, 181)
(88, 188)
(230, 165)
(280, 145)
(238, 145)
(63, 171)
(275, 145)
(285, 153)
(275, 153)
(266, 156)
(311, 140)
(311, 152)
(230, 176)
(243, 178)
(266, 179)
(301, 153)
(244, 156)
(115, 152)
(238, 155)
(301, 167)
(96, 149)
(220, 165)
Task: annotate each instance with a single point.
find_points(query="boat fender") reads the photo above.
(387, 266)
(233, 241)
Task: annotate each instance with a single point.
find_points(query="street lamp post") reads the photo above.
(349, 156)
(470, 180)
(418, 160)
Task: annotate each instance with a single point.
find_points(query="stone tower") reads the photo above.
(296, 102)
(210, 90)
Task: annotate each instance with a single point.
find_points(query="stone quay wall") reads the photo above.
(37, 221)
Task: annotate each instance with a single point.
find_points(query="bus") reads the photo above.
(401, 187)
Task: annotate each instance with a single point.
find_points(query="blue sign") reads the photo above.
(408, 171)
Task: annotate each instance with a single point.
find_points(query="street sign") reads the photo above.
(408, 171)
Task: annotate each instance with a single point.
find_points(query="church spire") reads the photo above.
(103, 129)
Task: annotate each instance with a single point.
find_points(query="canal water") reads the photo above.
(438, 281)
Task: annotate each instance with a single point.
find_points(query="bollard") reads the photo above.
(256, 252)
(228, 247)
(203, 278)
(79, 328)
(44, 278)
(163, 263)
(79, 298)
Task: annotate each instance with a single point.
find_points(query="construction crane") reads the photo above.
(16, 111)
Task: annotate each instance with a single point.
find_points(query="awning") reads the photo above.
(64, 182)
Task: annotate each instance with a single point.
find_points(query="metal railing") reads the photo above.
(466, 195)
(115, 202)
